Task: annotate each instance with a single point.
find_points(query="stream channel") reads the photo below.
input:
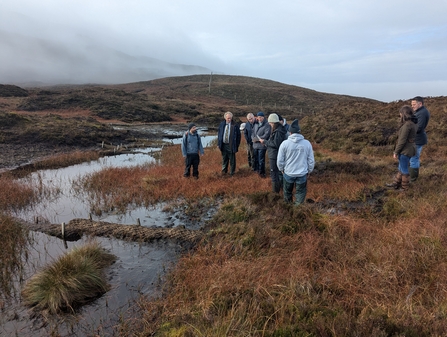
(139, 269)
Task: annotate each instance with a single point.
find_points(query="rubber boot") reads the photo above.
(405, 182)
(276, 187)
(414, 174)
(397, 182)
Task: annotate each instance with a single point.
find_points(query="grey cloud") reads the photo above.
(28, 60)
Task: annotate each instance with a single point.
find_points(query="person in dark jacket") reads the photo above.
(191, 148)
(228, 141)
(261, 130)
(277, 136)
(405, 148)
(251, 120)
(423, 116)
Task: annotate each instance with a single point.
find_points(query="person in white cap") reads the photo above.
(276, 138)
(296, 161)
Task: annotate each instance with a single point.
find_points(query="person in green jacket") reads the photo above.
(405, 148)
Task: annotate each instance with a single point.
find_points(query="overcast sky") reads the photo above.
(386, 50)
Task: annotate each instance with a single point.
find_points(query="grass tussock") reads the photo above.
(72, 280)
(15, 239)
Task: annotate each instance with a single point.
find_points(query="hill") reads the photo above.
(339, 122)
(183, 97)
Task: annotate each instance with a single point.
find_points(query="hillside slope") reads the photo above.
(335, 121)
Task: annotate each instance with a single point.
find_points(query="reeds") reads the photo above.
(14, 239)
(73, 279)
(15, 195)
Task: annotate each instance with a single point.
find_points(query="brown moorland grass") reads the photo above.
(266, 268)
(148, 184)
(332, 276)
(343, 177)
(14, 194)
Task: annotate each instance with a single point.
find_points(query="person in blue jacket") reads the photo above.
(191, 148)
(228, 141)
(423, 116)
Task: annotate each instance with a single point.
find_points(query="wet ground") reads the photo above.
(146, 241)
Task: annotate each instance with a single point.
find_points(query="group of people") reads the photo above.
(411, 139)
(291, 156)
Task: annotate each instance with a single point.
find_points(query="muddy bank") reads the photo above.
(25, 152)
(16, 155)
(76, 228)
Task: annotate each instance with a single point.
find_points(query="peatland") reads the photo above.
(355, 260)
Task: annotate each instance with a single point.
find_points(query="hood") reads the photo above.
(295, 137)
(281, 129)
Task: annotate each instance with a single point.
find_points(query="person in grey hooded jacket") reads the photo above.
(296, 161)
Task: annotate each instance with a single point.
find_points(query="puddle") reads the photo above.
(139, 270)
(64, 204)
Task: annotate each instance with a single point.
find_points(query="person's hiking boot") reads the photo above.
(397, 182)
(414, 174)
(405, 182)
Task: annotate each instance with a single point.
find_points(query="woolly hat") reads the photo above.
(295, 127)
(242, 127)
(260, 114)
(190, 125)
(273, 118)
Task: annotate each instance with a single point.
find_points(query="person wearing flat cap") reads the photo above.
(228, 141)
(191, 149)
(296, 161)
(261, 130)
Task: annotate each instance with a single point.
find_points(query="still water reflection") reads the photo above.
(64, 204)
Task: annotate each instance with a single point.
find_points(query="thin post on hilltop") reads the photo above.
(209, 85)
